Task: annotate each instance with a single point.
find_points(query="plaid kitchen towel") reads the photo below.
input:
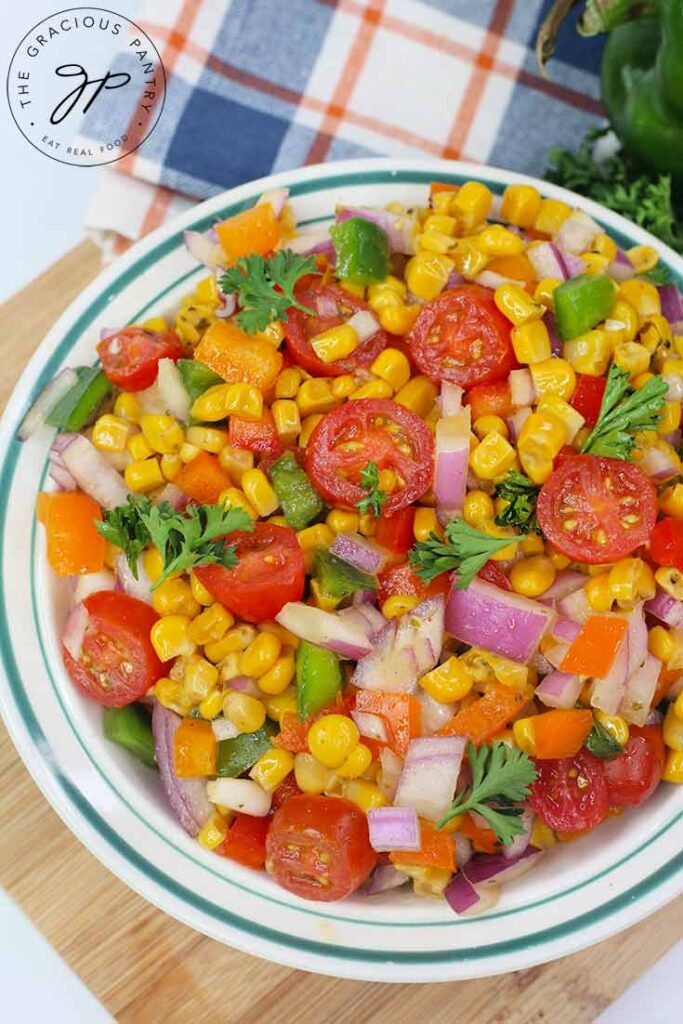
(256, 86)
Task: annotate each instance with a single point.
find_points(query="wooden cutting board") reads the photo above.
(145, 967)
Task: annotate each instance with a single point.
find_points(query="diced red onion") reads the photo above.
(675, 688)
(309, 243)
(204, 248)
(566, 582)
(151, 401)
(391, 766)
(452, 462)
(139, 588)
(384, 878)
(485, 616)
(423, 630)
(92, 583)
(228, 304)
(577, 233)
(172, 390)
(672, 305)
(640, 689)
(517, 421)
(556, 345)
(677, 328)
(74, 631)
(674, 438)
(277, 197)
(546, 261)
(453, 280)
(573, 265)
(400, 227)
(187, 797)
(325, 305)
(654, 717)
(223, 729)
(370, 725)
(520, 843)
(393, 828)
(575, 605)
(433, 714)
(490, 279)
(485, 868)
(666, 608)
(62, 477)
(363, 554)
(463, 849)
(365, 324)
(522, 388)
(636, 638)
(105, 332)
(450, 398)
(430, 773)
(371, 616)
(172, 494)
(387, 667)
(559, 689)
(660, 465)
(621, 268)
(45, 402)
(245, 684)
(466, 900)
(608, 692)
(93, 474)
(556, 655)
(325, 629)
(566, 629)
(243, 795)
(674, 382)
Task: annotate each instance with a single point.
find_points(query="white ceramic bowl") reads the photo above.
(578, 895)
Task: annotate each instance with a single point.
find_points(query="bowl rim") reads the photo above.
(368, 171)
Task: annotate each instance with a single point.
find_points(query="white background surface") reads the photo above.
(42, 211)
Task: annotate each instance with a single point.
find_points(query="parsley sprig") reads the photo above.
(185, 539)
(521, 494)
(501, 777)
(623, 413)
(463, 548)
(375, 500)
(265, 287)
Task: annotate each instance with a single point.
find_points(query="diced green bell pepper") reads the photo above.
(318, 679)
(582, 302)
(298, 498)
(339, 578)
(196, 377)
(238, 755)
(78, 407)
(362, 251)
(130, 727)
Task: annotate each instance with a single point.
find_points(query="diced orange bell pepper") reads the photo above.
(253, 231)
(194, 749)
(400, 712)
(73, 544)
(238, 357)
(203, 479)
(255, 435)
(595, 648)
(490, 400)
(483, 839)
(483, 718)
(441, 186)
(516, 267)
(667, 677)
(437, 850)
(560, 733)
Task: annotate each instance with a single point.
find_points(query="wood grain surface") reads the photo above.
(147, 968)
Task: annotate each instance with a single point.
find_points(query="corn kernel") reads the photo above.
(366, 795)
(188, 452)
(127, 407)
(286, 638)
(170, 466)
(245, 401)
(209, 439)
(272, 768)
(554, 377)
(532, 576)
(259, 492)
(313, 537)
(281, 704)
(174, 597)
(447, 682)
(308, 425)
(399, 319)
(399, 604)
(199, 591)
(594, 263)
(495, 240)
(559, 560)
(110, 433)
(199, 678)
(615, 726)
(335, 343)
(425, 523)
(287, 420)
(143, 476)
(673, 767)
(632, 357)
(531, 342)
(542, 837)
(274, 333)
(418, 395)
(234, 641)
(315, 396)
(468, 260)
(213, 832)
(245, 712)
(441, 222)
(341, 520)
(532, 544)
(211, 625)
(631, 580)
(153, 564)
(287, 383)
(169, 693)
(426, 274)
(163, 433)
(484, 425)
(524, 735)
(551, 216)
(233, 497)
(311, 776)
(670, 419)
(552, 406)
(210, 406)
(332, 738)
(605, 246)
(478, 508)
(261, 655)
(392, 366)
(643, 257)
(471, 204)
(672, 730)
(170, 637)
(367, 525)
(671, 501)
(212, 705)
(589, 353)
(357, 763)
(661, 643)
(678, 706)
(642, 295)
(373, 389)
(492, 457)
(515, 304)
(599, 593)
(543, 292)
(235, 461)
(138, 448)
(276, 679)
(520, 205)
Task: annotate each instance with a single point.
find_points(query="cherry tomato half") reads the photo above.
(246, 841)
(333, 306)
(402, 580)
(570, 793)
(370, 430)
(633, 776)
(269, 573)
(490, 400)
(587, 397)
(318, 847)
(595, 509)
(130, 357)
(117, 663)
(666, 544)
(462, 337)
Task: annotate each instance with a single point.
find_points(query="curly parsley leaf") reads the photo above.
(624, 413)
(185, 539)
(501, 777)
(520, 494)
(375, 500)
(463, 548)
(616, 182)
(264, 287)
